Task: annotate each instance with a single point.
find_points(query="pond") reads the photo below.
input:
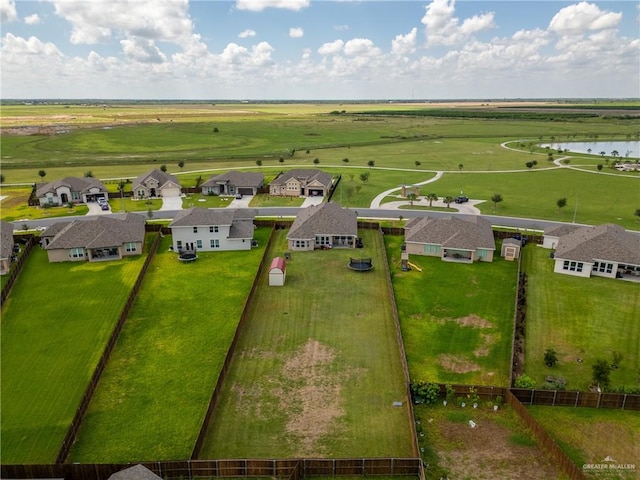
(630, 149)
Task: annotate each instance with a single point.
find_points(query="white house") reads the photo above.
(604, 251)
(210, 230)
(71, 190)
(156, 183)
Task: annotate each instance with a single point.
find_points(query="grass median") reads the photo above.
(154, 393)
(317, 367)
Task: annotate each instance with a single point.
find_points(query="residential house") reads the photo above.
(323, 226)
(98, 239)
(604, 251)
(6, 246)
(452, 238)
(156, 183)
(232, 183)
(137, 472)
(209, 230)
(301, 183)
(71, 190)
(553, 234)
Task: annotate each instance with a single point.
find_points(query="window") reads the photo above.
(213, 229)
(432, 248)
(130, 247)
(75, 196)
(76, 252)
(179, 244)
(302, 243)
(215, 243)
(195, 229)
(572, 266)
(603, 267)
(199, 243)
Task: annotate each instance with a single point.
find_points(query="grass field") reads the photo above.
(456, 319)
(317, 367)
(154, 393)
(499, 446)
(55, 325)
(589, 435)
(580, 318)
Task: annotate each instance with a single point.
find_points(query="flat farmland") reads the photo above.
(55, 325)
(155, 390)
(317, 367)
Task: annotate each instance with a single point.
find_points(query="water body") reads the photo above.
(629, 149)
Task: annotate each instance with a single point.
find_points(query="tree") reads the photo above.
(42, 174)
(1, 177)
(496, 199)
(599, 167)
(448, 199)
(215, 130)
(364, 176)
(529, 165)
(259, 163)
(281, 159)
(550, 157)
(181, 164)
(550, 357)
(566, 161)
(601, 370)
(345, 160)
(316, 161)
(460, 167)
(163, 168)
(561, 203)
(412, 197)
(637, 212)
(417, 163)
(88, 174)
(432, 197)
(371, 163)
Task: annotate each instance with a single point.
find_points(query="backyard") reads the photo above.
(156, 388)
(583, 320)
(456, 319)
(55, 325)
(317, 367)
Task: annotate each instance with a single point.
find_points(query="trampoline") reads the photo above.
(360, 264)
(187, 257)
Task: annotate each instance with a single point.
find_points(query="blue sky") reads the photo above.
(319, 49)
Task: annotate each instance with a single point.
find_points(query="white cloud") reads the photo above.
(8, 11)
(32, 19)
(581, 18)
(13, 46)
(247, 33)
(404, 44)
(142, 50)
(341, 28)
(442, 28)
(361, 47)
(296, 32)
(259, 5)
(331, 48)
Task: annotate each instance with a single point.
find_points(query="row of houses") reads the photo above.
(156, 183)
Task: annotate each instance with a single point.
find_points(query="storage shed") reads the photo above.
(277, 272)
(511, 248)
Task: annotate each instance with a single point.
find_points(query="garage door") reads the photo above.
(245, 191)
(171, 192)
(314, 192)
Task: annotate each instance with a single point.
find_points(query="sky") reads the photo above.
(319, 49)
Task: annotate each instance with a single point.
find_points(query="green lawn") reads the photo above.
(155, 391)
(456, 319)
(580, 318)
(15, 207)
(55, 325)
(317, 367)
(589, 435)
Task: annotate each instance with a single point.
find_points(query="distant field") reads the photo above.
(317, 367)
(155, 391)
(580, 318)
(590, 435)
(55, 325)
(456, 319)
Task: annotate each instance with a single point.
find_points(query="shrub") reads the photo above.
(524, 381)
(425, 392)
(550, 357)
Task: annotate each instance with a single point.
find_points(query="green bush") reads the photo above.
(524, 381)
(425, 393)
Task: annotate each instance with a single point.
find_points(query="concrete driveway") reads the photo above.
(312, 201)
(95, 209)
(241, 202)
(171, 203)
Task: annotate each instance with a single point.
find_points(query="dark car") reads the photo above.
(461, 199)
(104, 206)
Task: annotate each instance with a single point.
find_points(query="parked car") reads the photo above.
(104, 206)
(101, 200)
(461, 199)
(238, 196)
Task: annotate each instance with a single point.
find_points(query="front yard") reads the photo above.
(55, 325)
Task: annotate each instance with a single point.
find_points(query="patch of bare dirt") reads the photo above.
(488, 340)
(457, 365)
(473, 320)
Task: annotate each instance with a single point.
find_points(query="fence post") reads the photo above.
(555, 393)
(624, 401)
(531, 401)
(577, 396)
(599, 398)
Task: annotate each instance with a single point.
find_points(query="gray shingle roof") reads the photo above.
(75, 184)
(6, 239)
(137, 472)
(323, 219)
(161, 177)
(238, 179)
(308, 175)
(560, 230)
(240, 221)
(464, 232)
(100, 232)
(608, 242)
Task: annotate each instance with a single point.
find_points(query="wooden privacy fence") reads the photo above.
(293, 469)
(72, 431)
(17, 265)
(562, 398)
(544, 440)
